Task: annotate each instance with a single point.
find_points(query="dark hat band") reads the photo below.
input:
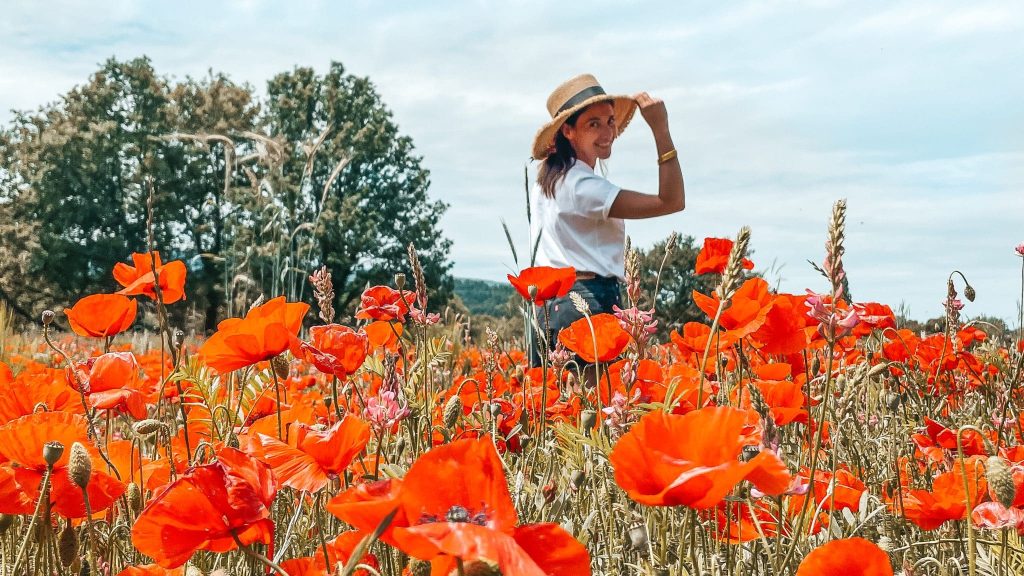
(581, 96)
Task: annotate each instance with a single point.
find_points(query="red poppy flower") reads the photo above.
(784, 329)
(946, 500)
(469, 516)
(312, 457)
(21, 443)
(37, 384)
(101, 315)
(265, 332)
(12, 498)
(140, 279)
(334, 349)
(714, 256)
(669, 460)
(995, 516)
(549, 282)
(112, 382)
(610, 338)
(873, 316)
(384, 303)
(339, 549)
(206, 509)
(848, 557)
(747, 311)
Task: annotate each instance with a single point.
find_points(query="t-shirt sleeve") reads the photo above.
(594, 196)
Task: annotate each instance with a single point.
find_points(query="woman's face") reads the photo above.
(593, 134)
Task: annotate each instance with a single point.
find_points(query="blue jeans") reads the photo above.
(600, 293)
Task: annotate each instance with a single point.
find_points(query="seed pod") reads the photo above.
(969, 293)
(6, 520)
(47, 317)
(67, 545)
(1000, 481)
(638, 536)
(52, 451)
(147, 427)
(578, 477)
(280, 365)
(588, 419)
(480, 568)
(134, 497)
(452, 412)
(400, 280)
(79, 465)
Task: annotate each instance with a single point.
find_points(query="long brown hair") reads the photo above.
(554, 168)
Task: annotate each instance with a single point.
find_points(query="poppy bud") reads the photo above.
(52, 451)
(179, 338)
(79, 465)
(878, 369)
(280, 365)
(233, 441)
(815, 365)
(67, 545)
(6, 520)
(147, 427)
(1000, 481)
(532, 291)
(400, 280)
(134, 496)
(525, 441)
(638, 536)
(85, 569)
(452, 411)
(495, 410)
(47, 317)
(588, 419)
(578, 477)
(969, 293)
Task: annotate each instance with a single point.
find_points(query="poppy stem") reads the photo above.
(277, 397)
(971, 567)
(263, 559)
(44, 495)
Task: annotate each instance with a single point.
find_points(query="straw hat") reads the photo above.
(572, 96)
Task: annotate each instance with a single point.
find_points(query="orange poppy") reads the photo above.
(112, 382)
(265, 332)
(102, 315)
(207, 508)
(470, 516)
(383, 334)
(714, 256)
(312, 457)
(12, 498)
(37, 384)
(384, 303)
(669, 460)
(334, 349)
(747, 311)
(873, 316)
(21, 443)
(946, 500)
(549, 282)
(610, 338)
(846, 557)
(140, 279)
(694, 339)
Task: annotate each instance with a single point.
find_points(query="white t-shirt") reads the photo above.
(574, 226)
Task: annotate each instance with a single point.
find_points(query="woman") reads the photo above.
(578, 215)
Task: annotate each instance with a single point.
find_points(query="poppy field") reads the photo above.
(786, 434)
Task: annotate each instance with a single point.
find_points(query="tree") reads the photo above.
(254, 195)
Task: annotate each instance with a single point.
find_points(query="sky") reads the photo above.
(911, 111)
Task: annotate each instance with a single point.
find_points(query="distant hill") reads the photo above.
(484, 296)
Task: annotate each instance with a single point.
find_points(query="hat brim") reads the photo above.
(544, 141)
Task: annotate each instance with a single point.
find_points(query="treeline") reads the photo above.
(252, 192)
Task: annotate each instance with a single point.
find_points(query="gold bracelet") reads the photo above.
(667, 156)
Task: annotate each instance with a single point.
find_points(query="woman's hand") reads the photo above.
(653, 111)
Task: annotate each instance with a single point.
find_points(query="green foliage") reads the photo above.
(484, 296)
(253, 195)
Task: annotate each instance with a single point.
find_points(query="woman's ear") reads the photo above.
(566, 131)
